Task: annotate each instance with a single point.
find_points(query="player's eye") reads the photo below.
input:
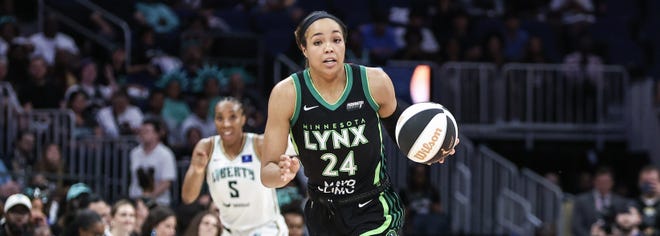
(337, 41)
(317, 43)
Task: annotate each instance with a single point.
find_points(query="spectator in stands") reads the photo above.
(422, 201)
(191, 135)
(161, 221)
(8, 31)
(23, 156)
(648, 203)
(209, 82)
(193, 59)
(185, 213)
(101, 208)
(39, 92)
(77, 197)
(115, 69)
(585, 58)
(64, 75)
(144, 73)
(584, 71)
(157, 15)
(43, 231)
(441, 16)
(153, 166)
(196, 31)
(175, 108)
(46, 43)
(37, 213)
(52, 165)
(534, 51)
(85, 120)
(452, 51)
(19, 59)
(154, 105)
(412, 49)
(461, 29)
(123, 218)
(253, 103)
(85, 223)
(515, 38)
(493, 49)
(204, 224)
(417, 24)
(120, 118)
(379, 39)
(142, 207)
(355, 50)
(199, 118)
(295, 219)
(98, 94)
(16, 216)
(597, 204)
(625, 221)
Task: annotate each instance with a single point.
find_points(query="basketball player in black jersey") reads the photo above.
(333, 111)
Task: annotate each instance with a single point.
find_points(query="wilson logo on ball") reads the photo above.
(424, 129)
(428, 147)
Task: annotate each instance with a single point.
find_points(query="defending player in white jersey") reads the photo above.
(231, 164)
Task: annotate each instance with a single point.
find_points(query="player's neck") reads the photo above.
(233, 149)
(330, 87)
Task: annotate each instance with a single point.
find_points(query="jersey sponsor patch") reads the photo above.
(246, 158)
(352, 106)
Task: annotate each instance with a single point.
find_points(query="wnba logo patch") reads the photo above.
(246, 158)
(352, 106)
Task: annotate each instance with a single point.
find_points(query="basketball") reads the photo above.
(425, 128)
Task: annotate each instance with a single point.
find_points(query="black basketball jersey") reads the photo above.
(340, 145)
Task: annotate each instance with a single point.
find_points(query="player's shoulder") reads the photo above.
(285, 87)
(376, 76)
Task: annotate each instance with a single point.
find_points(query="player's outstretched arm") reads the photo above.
(192, 182)
(278, 169)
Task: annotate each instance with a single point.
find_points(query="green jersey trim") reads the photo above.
(296, 109)
(367, 91)
(345, 93)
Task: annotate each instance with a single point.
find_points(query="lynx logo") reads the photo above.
(391, 233)
(352, 106)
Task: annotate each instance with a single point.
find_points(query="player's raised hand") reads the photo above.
(289, 166)
(199, 160)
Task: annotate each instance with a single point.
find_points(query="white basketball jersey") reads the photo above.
(236, 188)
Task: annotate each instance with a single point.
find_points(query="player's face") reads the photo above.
(325, 46)
(229, 121)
